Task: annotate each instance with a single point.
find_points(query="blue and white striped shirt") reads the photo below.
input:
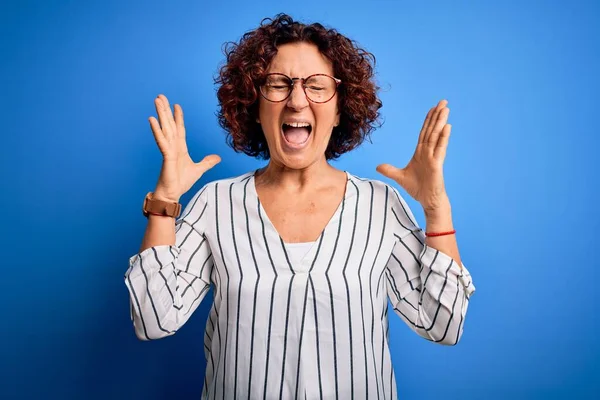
(308, 327)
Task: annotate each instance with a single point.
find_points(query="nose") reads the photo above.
(297, 100)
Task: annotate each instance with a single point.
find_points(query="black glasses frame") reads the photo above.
(302, 80)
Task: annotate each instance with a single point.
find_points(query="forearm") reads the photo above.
(159, 231)
(440, 220)
(171, 274)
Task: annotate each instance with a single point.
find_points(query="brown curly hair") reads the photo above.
(247, 63)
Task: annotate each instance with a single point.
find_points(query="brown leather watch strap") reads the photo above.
(160, 207)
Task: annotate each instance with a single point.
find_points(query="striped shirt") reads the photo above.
(312, 324)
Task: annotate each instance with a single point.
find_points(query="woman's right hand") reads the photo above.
(179, 172)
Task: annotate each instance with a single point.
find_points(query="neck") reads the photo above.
(281, 177)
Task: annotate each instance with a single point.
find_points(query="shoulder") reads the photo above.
(210, 188)
(401, 216)
(229, 180)
(232, 180)
(203, 197)
(377, 187)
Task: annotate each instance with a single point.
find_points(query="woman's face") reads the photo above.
(298, 147)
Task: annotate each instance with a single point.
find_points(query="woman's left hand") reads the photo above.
(423, 177)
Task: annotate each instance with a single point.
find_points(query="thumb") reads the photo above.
(391, 172)
(207, 163)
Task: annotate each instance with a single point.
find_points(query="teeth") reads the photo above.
(298, 124)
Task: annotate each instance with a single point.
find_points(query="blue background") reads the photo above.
(78, 156)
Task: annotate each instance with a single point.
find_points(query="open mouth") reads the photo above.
(296, 133)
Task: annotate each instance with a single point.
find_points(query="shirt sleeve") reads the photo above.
(167, 283)
(426, 287)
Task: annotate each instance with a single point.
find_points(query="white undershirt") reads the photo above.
(297, 251)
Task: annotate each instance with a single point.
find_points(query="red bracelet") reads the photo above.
(440, 233)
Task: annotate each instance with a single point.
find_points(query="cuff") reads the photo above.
(166, 254)
(442, 260)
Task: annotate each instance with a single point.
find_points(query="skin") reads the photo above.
(306, 169)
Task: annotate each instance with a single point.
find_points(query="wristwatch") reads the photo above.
(160, 207)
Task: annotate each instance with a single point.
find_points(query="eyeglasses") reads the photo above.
(318, 88)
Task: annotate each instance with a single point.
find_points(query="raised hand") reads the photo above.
(179, 172)
(423, 177)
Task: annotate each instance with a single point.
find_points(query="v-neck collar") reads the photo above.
(306, 262)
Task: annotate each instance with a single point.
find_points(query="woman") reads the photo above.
(302, 257)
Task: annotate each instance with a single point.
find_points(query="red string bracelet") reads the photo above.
(440, 233)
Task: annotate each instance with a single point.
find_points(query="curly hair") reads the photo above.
(247, 63)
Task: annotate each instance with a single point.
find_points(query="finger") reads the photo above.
(180, 128)
(437, 124)
(429, 121)
(432, 120)
(426, 125)
(168, 109)
(179, 121)
(164, 126)
(164, 116)
(442, 144)
(158, 134)
(390, 171)
(207, 163)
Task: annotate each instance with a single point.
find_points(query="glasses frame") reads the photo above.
(302, 80)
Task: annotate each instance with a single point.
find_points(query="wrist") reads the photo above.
(438, 214)
(158, 195)
(438, 208)
(439, 220)
(436, 229)
(158, 217)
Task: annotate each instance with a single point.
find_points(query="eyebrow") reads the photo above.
(301, 77)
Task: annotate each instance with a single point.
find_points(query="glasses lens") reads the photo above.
(276, 87)
(320, 88)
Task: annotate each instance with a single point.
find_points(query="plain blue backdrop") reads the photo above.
(78, 83)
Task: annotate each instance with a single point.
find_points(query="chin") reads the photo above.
(296, 161)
